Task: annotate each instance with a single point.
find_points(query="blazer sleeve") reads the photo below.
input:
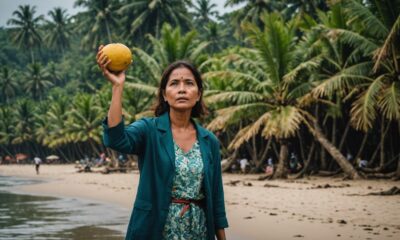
(129, 140)
(220, 219)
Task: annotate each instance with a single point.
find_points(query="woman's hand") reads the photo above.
(116, 79)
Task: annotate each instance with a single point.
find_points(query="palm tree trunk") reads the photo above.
(324, 164)
(303, 155)
(346, 130)
(263, 155)
(158, 28)
(93, 145)
(275, 150)
(382, 142)
(364, 141)
(59, 150)
(231, 160)
(307, 162)
(108, 32)
(334, 125)
(6, 150)
(347, 168)
(281, 170)
(32, 56)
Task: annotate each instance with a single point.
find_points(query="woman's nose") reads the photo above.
(182, 88)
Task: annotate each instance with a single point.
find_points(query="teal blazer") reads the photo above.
(151, 139)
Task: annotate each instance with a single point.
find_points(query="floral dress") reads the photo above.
(187, 184)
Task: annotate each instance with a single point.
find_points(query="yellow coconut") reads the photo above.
(120, 56)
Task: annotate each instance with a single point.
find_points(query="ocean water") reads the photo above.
(25, 216)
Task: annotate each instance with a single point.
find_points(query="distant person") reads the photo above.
(37, 161)
(243, 164)
(349, 157)
(362, 163)
(270, 162)
(294, 163)
(269, 169)
(101, 160)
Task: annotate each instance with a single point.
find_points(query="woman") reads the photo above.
(180, 192)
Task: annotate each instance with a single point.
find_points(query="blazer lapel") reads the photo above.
(165, 136)
(204, 147)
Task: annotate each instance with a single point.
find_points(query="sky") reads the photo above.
(7, 7)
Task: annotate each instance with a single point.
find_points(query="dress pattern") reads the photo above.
(187, 184)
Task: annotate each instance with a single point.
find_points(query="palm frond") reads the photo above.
(194, 55)
(363, 110)
(344, 80)
(261, 43)
(235, 97)
(230, 115)
(233, 77)
(310, 65)
(382, 52)
(247, 132)
(356, 11)
(283, 122)
(142, 87)
(390, 102)
(356, 40)
(151, 64)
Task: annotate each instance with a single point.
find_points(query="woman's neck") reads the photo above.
(180, 120)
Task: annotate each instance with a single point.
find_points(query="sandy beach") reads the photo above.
(309, 208)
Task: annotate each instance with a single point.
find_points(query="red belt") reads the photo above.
(187, 203)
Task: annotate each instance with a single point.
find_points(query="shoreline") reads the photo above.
(283, 209)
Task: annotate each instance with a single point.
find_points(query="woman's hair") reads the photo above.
(161, 106)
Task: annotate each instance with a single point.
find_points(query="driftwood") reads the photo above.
(381, 175)
(233, 182)
(328, 173)
(265, 176)
(108, 170)
(390, 192)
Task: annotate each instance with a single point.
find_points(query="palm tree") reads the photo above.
(24, 128)
(151, 15)
(215, 35)
(54, 73)
(51, 128)
(204, 11)
(7, 128)
(275, 84)
(309, 7)
(373, 84)
(26, 34)
(8, 84)
(254, 9)
(59, 32)
(57, 115)
(97, 22)
(83, 124)
(36, 80)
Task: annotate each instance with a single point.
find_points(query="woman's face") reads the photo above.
(181, 91)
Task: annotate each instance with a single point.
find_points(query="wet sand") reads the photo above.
(284, 209)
